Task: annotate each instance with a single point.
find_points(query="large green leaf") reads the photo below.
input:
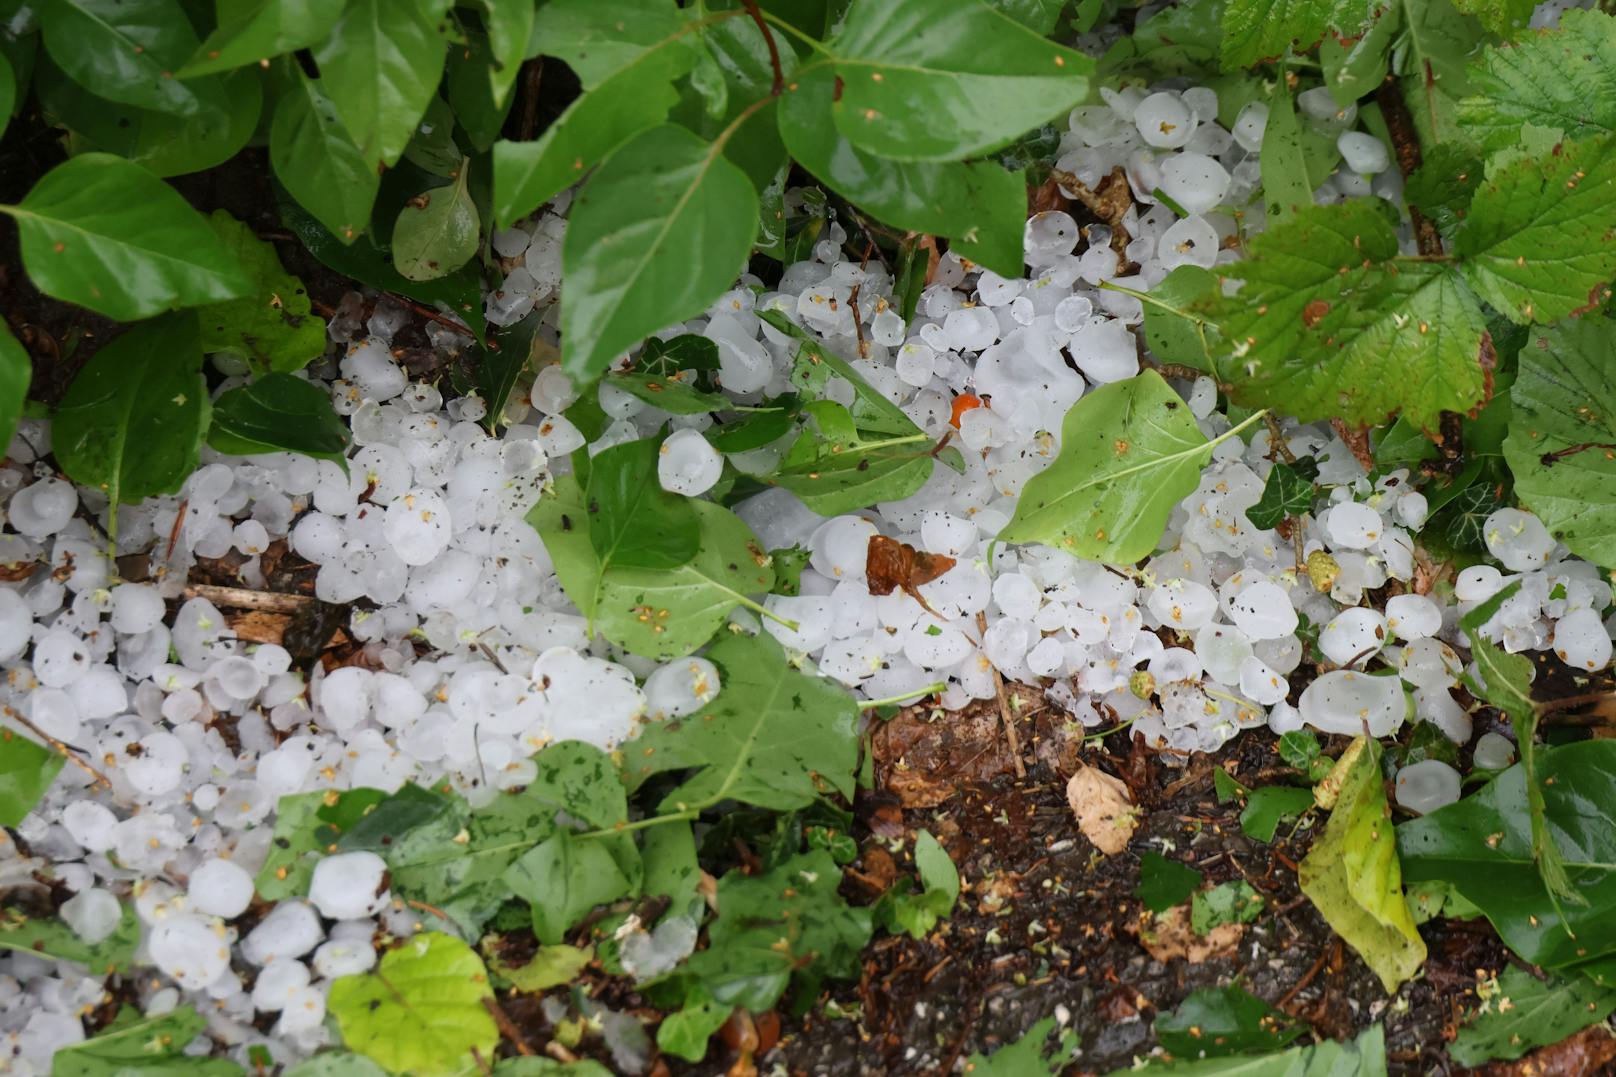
(125, 50)
(106, 234)
(1355, 67)
(132, 422)
(436, 231)
(633, 521)
(468, 86)
(1130, 451)
(1292, 164)
(1331, 317)
(599, 37)
(1431, 58)
(16, 371)
(562, 878)
(151, 1046)
(1560, 433)
(924, 80)
(26, 772)
(8, 92)
(1216, 1021)
(1535, 243)
(659, 231)
(317, 161)
(1525, 1013)
(274, 327)
(251, 31)
(1362, 1057)
(1352, 875)
(278, 412)
(51, 937)
(979, 203)
(1483, 847)
(421, 1011)
(509, 25)
(1259, 30)
(1564, 80)
(774, 737)
(381, 66)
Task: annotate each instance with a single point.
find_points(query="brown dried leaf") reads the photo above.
(890, 565)
(1583, 1055)
(1169, 935)
(1105, 814)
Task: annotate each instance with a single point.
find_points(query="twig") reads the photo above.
(482, 1063)
(768, 39)
(1276, 439)
(532, 75)
(506, 1026)
(174, 532)
(858, 327)
(1571, 450)
(433, 315)
(242, 598)
(1307, 978)
(1004, 705)
(67, 752)
(1406, 143)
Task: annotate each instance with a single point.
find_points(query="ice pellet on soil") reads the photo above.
(1518, 539)
(1581, 641)
(1164, 121)
(1493, 751)
(348, 886)
(1195, 181)
(190, 949)
(1427, 785)
(1363, 153)
(1350, 703)
(1412, 616)
(290, 930)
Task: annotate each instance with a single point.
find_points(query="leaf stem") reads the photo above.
(768, 39)
(640, 824)
(872, 704)
(812, 42)
(764, 611)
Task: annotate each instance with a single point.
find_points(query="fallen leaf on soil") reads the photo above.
(1104, 813)
(256, 626)
(1169, 935)
(891, 565)
(925, 762)
(1583, 1055)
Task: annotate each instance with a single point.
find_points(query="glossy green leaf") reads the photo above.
(1355, 67)
(16, 372)
(106, 234)
(51, 937)
(278, 412)
(834, 478)
(146, 1045)
(251, 31)
(1039, 16)
(1362, 1057)
(381, 65)
(469, 88)
(1443, 185)
(919, 913)
(1164, 883)
(432, 147)
(685, 1033)
(515, 354)
(1525, 1013)
(658, 232)
(1287, 491)
(509, 25)
(8, 92)
(669, 394)
(125, 50)
(131, 424)
(1219, 1021)
(1130, 451)
(273, 327)
(774, 736)
(1563, 79)
(549, 967)
(436, 231)
(1431, 58)
(1173, 333)
(929, 81)
(421, 1011)
(1267, 807)
(633, 521)
(562, 878)
(980, 204)
(1255, 31)
(317, 161)
(599, 37)
(1352, 874)
(26, 772)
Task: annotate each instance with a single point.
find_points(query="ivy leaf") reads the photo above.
(421, 1011)
(256, 30)
(316, 159)
(132, 422)
(1462, 519)
(773, 737)
(1215, 1022)
(1535, 244)
(1255, 31)
(1352, 874)
(381, 63)
(1130, 451)
(272, 328)
(1164, 883)
(1267, 807)
(436, 231)
(150, 1045)
(127, 50)
(50, 937)
(1227, 903)
(1444, 184)
(106, 234)
(1529, 1013)
(16, 372)
(562, 878)
(1562, 79)
(633, 521)
(1288, 491)
(904, 62)
(1561, 446)
(657, 234)
(1330, 317)
(278, 412)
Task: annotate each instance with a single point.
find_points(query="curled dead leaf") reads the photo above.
(892, 565)
(1169, 935)
(1104, 812)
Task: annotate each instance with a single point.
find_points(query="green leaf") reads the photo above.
(509, 24)
(8, 92)
(1483, 847)
(814, 366)
(336, 1064)
(436, 231)
(1443, 185)
(381, 64)
(633, 521)
(50, 937)
(317, 161)
(1362, 1057)
(125, 50)
(106, 234)
(278, 412)
(686, 1032)
(599, 37)
(469, 88)
(1027, 1057)
(550, 966)
(131, 424)
(1255, 31)
(1331, 316)
(1175, 335)
(774, 737)
(1219, 1021)
(832, 482)
(1227, 903)
(16, 372)
(1431, 59)
(292, 848)
(1535, 244)
(918, 913)
(1355, 66)
(1268, 806)
(273, 328)
(251, 31)
(1564, 80)
(421, 1011)
(150, 1046)
(1502, 17)
(658, 232)
(1295, 159)
(432, 147)
(1352, 875)
(979, 203)
(1561, 432)
(517, 352)
(1130, 451)
(1288, 491)
(904, 63)
(532, 1066)
(670, 394)
(1164, 883)
(1525, 1013)
(563, 878)
(1039, 16)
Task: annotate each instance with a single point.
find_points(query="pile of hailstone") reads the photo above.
(474, 658)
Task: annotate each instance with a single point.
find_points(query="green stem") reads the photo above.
(812, 42)
(641, 824)
(934, 686)
(764, 611)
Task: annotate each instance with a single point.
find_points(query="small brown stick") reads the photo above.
(1004, 706)
(67, 752)
(432, 315)
(482, 1063)
(768, 39)
(1571, 450)
(506, 1025)
(858, 327)
(174, 532)
(532, 76)
(1276, 438)
(241, 598)
(1406, 143)
(1307, 978)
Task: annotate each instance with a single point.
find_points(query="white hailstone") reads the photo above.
(1427, 785)
(1183, 604)
(303, 1011)
(1049, 235)
(220, 888)
(1222, 650)
(1353, 525)
(278, 983)
(159, 766)
(349, 886)
(1190, 241)
(1411, 509)
(1581, 642)
(886, 328)
(418, 526)
(681, 687)
(1164, 121)
(59, 658)
(1260, 684)
(1105, 350)
(1249, 125)
(1477, 583)
(43, 508)
(16, 624)
(1318, 104)
(1429, 663)
(971, 330)
(586, 698)
(93, 914)
(1353, 634)
(1195, 181)
(1006, 642)
(347, 697)
(916, 363)
(1493, 751)
(839, 548)
(687, 464)
(237, 677)
(1263, 611)
(1413, 616)
(1284, 718)
(947, 534)
(1175, 664)
(344, 957)
(1047, 657)
(1346, 702)
(190, 950)
(136, 607)
(91, 825)
(1518, 539)
(55, 713)
(1072, 311)
(1017, 595)
(291, 929)
(646, 954)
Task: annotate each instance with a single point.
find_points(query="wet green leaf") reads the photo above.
(1355, 66)
(51, 937)
(1030, 1056)
(1444, 184)
(278, 412)
(1164, 883)
(251, 31)
(1525, 1013)
(436, 231)
(16, 372)
(125, 50)
(671, 394)
(1288, 491)
(150, 1046)
(1563, 79)
(381, 65)
(1255, 31)
(1268, 806)
(918, 913)
(549, 967)
(633, 522)
(336, 1064)
(1175, 335)
(1218, 1021)
(317, 161)
(1227, 903)
(273, 327)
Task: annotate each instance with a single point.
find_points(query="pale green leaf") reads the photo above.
(562, 878)
(549, 967)
(26, 772)
(251, 31)
(1561, 79)
(53, 938)
(336, 1064)
(1502, 17)
(316, 160)
(1293, 162)
(1255, 31)
(1355, 66)
(436, 231)
(633, 521)
(381, 65)
(1431, 58)
(150, 1046)
(273, 327)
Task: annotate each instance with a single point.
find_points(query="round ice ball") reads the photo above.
(1518, 539)
(418, 526)
(349, 886)
(687, 464)
(1195, 181)
(681, 687)
(1263, 610)
(220, 888)
(1164, 121)
(1413, 616)
(43, 508)
(290, 930)
(1493, 751)
(136, 608)
(1363, 153)
(16, 624)
(1581, 642)
(92, 914)
(1427, 785)
(1352, 525)
(190, 950)
(1353, 634)
(1346, 702)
